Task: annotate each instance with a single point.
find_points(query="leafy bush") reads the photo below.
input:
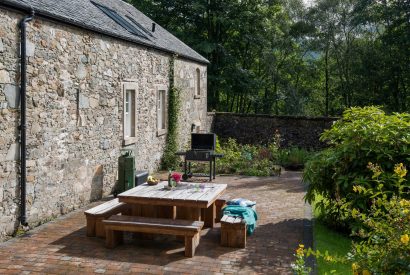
(293, 158)
(246, 159)
(254, 160)
(382, 244)
(363, 135)
(386, 247)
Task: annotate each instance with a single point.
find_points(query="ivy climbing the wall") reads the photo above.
(170, 160)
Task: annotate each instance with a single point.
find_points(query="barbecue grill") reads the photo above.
(202, 150)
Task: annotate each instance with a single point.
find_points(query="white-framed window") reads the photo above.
(197, 83)
(162, 110)
(130, 91)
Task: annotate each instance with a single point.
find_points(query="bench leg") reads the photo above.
(99, 227)
(191, 243)
(113, 238)
(90, 226)
(209, 216)
(233, 236)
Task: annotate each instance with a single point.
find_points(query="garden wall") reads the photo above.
(297, 131)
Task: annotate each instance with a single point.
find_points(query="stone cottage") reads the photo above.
(98, 74)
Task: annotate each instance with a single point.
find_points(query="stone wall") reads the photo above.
(75, 114)
(301, 132)
(185, 79)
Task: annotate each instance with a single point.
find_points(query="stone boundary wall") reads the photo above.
(298, 131)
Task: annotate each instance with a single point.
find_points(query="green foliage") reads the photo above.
(382, 244)
(256, 160)
(386, 247)
(299, 267)
(170, 160)
(362, 136)
(293, 158)
(337, 244)
(281, 57)
(247, 159)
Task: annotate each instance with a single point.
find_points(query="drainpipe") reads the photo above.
(23, 146)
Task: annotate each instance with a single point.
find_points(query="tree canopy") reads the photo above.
(281, 57)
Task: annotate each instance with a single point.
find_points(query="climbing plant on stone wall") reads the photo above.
(170, 160)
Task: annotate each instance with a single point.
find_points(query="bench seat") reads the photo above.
(116, 225)
(97, 214)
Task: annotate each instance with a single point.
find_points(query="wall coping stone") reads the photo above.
(275, 116)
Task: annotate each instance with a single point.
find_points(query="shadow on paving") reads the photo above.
(161, 250)
(271, 247)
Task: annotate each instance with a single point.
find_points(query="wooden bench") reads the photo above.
(97, 214)
(116, 225)
(233, 232)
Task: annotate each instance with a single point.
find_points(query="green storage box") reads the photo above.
(126, 172)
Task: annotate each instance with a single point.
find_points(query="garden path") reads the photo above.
(61, 247)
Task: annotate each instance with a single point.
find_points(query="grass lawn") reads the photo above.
(336, 244)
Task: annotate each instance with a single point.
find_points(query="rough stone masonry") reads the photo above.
(75, 114)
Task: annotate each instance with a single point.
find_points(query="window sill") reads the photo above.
(161, 132)
(197, 96)
(129, 141)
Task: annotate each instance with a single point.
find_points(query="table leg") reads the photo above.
(187, 213)
(209, 217)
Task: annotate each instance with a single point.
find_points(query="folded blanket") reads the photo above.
(248, 214)
(241, 202)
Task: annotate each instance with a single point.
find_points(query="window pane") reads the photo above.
(132, 111)
(161, 114)
(129, 114)
(163, 109)
(198, 82)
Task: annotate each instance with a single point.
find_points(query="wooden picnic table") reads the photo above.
(186, 201)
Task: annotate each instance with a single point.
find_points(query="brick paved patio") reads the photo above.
(61, 247)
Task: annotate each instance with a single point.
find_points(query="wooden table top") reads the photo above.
(185, 194)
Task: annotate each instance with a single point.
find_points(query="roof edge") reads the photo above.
(26, 8)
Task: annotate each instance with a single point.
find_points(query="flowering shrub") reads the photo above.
(299, 266)
(384, 237)
(361, 136)
(385, 248)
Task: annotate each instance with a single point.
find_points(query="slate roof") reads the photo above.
(84, 14)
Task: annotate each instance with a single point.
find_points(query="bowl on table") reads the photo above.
(152, 181)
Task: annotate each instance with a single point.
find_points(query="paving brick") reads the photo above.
(61, 247)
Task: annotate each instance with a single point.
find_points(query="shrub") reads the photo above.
(385, 248)
(363, 135)
(293, 158)
(382, 244)
(250, 160)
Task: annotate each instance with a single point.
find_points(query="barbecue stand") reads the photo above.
(202, 150)
(199, 156)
